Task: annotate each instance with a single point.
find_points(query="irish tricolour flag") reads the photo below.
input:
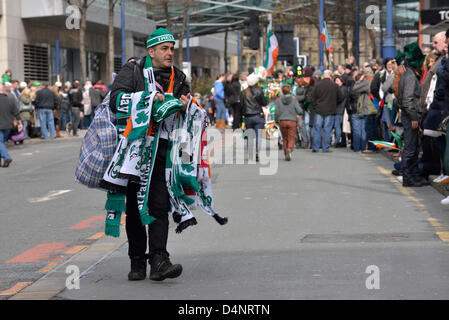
(272, 51)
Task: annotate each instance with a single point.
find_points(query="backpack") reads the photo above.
(98, 146)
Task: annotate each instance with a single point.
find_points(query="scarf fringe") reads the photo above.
(222, 221)
(183, 225)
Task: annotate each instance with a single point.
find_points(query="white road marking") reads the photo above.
(51, 195)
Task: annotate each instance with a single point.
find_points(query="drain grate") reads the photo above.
(369, 237)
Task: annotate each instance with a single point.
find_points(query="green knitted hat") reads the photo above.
(159, 36)
(399, 58)
(414, 55)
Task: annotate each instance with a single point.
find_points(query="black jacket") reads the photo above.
(130, 79)
(76, 98)
(341, 106)
(8, 111)
(46, 99)
(253, 104)
(232, 92)
(326, 95)
(409, 94)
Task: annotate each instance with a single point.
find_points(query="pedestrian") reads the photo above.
(46, 101)
(101, 86)
(97, 94)
(409, 93)
(219, 98)
(76, 103)
(9, 114)
(359, 101)
(7, 76)
(25, 109)
(253, 100)
(304, 133)
(341, 108)
(308, 110)
(87, 105)
(326, 95)
(15, 84)
(56, 111)
(160, 45)
(234, 101)
(287, 114)
(371, 118)
(387, 121)
(65, 117)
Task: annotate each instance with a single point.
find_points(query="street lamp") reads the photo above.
(321, 65)
(389, 48)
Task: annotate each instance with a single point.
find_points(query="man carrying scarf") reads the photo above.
(169, 79)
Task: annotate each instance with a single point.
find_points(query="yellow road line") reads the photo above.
(14, 289)
(48, 267)
(441, 231)
(97, 236)
(75, 249)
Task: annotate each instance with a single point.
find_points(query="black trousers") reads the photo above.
(158, 207)
(410, 152)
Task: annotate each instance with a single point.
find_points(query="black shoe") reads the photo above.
(419, 183)
(138, 269)
(162, 268)
(395, 172)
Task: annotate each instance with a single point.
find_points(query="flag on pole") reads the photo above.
(325, 38)
(272, 51)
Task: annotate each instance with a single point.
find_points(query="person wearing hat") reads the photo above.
(253, 99)
(168, 79)
(409, 93)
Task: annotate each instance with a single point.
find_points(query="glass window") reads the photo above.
(243, 65)
(252, 62)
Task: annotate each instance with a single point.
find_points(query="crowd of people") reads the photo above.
(399, 103)
(36, 110)
(401, 100)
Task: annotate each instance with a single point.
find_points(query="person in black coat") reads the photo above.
(45, 102)
(130, 79)
(232, 91)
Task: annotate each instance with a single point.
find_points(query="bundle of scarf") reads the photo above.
(136, 150)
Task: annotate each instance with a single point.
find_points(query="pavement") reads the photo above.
(323, 226)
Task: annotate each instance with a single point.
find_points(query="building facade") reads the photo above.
(31, 31)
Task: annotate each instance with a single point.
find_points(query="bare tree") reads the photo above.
(110, 64)
(183, 31)
(83, 5)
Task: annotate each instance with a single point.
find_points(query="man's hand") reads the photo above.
(185, 101)
(414, 125)
(160, 97)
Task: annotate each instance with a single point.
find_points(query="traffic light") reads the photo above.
(287, 50)
(95, 62)
(252, 32)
